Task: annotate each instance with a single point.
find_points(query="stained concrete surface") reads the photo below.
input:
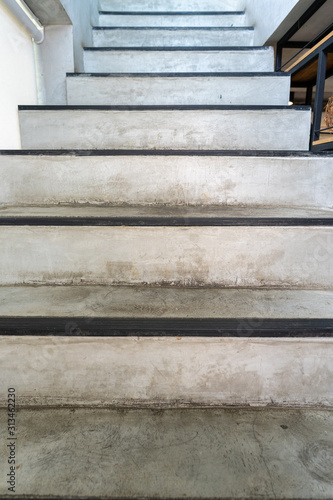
(128, 371)
(175, 453)
(213, 129)
(295, 181)
(169, 212)
(162, 302)
(283, 257)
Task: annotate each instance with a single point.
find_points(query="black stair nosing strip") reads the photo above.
(170, 327)
(178, 49)
(174, 28)
(244, 74)
(166, 152)
(180, 107)
(166, 221)
(172, 13)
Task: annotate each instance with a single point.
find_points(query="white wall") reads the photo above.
(17, 83)
(54, 58)
(272, 18)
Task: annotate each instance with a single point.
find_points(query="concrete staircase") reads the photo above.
(166, 237)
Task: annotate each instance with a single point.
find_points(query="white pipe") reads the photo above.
(27, 18)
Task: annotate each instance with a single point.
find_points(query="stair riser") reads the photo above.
(170, 180)
(225, 256)
(286, 129)
(173, 21)
(172, 38)
(109, 61)
(172, 5)
(254, 90)
(179, 372)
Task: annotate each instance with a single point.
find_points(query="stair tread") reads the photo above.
(164, 107)
(172, 13)
(183, 49)
(182, 75)
(75, 152)
(210, 304)
(173, 28)
(170, 214)
(164, 443)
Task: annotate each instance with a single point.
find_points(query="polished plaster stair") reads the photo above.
(177, 248)
(166, 260)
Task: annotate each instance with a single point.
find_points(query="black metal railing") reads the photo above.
(284, 42)
(315, 57)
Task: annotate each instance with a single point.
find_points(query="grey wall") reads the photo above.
(272, 18)
(49, 11)
(67, 26)
(83, 14)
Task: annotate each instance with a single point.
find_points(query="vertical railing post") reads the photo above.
(319, 96)
(308, 98)
(278, 60)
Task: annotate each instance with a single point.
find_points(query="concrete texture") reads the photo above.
(192, 453)
(84, 15)
(162, 302)
(176, 37)
(295, 181)
(126, 61)
(288, 257)
(227, 129)
(274, 19)
(49, 12)
(186, 213)
(160, 371)
(197, 90)
(190, 20)
(173, 5)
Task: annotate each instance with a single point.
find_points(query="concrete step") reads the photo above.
(172, 37)
(235, 256)
(172, 6)
(172, 19)
(178, 89)
(166, 178)
(182, 451)
(178, 59)
(150, 216)
(168, 127)
(229, 308)
(79, 371)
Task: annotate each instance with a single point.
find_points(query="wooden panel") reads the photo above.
(309, 73)
(311, 51)
(327, 140)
